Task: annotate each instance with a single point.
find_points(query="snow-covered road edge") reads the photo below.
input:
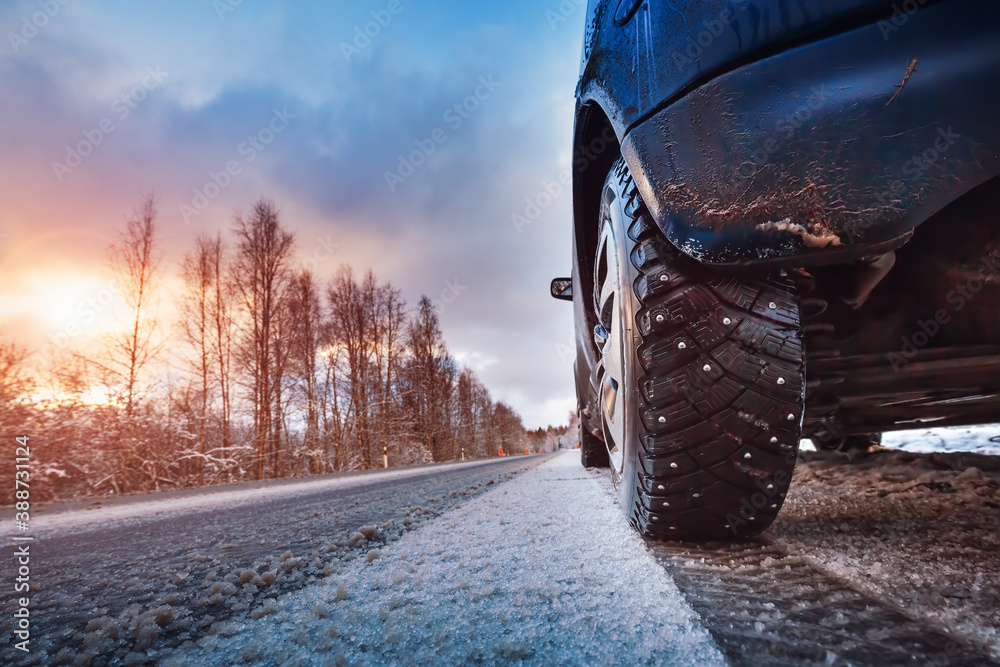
(542, 569)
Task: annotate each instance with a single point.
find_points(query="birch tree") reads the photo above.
(261, 276)
(134, 258)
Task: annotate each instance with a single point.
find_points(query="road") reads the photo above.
(516, 560)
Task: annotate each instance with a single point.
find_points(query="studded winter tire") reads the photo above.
(700, 380)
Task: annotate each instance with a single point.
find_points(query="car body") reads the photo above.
(852, 143)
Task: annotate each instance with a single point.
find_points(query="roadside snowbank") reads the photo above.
(983, 439)
(540, 570)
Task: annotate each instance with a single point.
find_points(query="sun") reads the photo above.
(69, 305)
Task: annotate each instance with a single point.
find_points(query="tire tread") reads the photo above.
(719, 392)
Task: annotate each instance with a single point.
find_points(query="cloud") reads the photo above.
(449, 220)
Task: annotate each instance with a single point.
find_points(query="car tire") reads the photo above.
(700, 380)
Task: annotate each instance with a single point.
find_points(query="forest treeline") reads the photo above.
(267, 373)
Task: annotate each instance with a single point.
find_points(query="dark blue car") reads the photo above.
(787, 225)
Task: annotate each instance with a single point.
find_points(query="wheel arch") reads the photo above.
(596, 146)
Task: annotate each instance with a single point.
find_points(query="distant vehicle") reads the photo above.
(786, 225)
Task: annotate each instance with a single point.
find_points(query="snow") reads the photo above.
(983, 439)
(541, 570)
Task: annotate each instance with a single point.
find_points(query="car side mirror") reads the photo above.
(562, 288)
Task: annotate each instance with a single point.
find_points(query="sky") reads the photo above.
(342, 113)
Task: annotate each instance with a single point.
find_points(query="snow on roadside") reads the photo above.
(984, 439)
(540, 570)
(981, 439)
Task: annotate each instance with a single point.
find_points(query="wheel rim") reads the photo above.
(610, 302)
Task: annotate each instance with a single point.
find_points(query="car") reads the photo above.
(785, 227)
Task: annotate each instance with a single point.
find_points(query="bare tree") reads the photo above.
(366, 327)
(510, 430)
(487, 427)
(135, 259)
(305, 347)
(15, 383)
(388, 314)
(260, 275)
(16, 387)
(222, 323)
(466, 417)
(430, 375)
(332, 418)
(196, 321)
(350, 329)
